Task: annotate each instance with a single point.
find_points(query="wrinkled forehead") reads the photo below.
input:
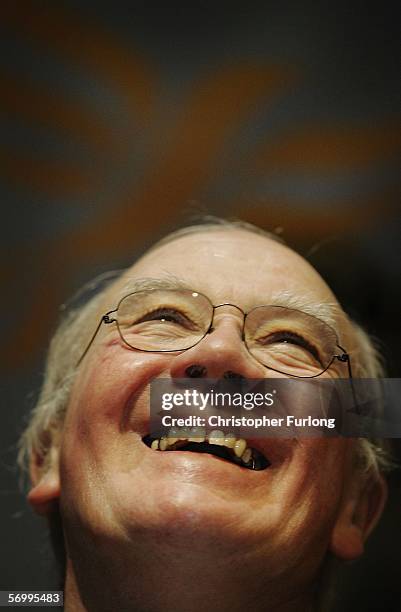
(233, 265)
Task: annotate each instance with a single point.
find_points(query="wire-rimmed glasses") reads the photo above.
(282, 339)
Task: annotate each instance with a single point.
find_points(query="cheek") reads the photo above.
(319, 474)
(107, 383)
(95, 436)
(102, 399)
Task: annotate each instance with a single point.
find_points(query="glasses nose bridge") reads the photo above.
(215, 307)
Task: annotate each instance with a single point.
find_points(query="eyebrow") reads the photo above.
(169, 281)
(329, 312)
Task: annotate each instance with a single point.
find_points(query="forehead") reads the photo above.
(231, 265)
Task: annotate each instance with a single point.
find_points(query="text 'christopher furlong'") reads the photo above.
(247, 421)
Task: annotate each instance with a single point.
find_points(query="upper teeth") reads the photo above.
(217, 437)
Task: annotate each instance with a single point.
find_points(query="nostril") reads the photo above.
(233, 375)
(195, 371)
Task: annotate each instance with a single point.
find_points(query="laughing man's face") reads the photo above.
(133, 502)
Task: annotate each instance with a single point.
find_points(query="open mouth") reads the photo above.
(226, 447)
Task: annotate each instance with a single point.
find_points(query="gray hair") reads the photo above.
(68, 343)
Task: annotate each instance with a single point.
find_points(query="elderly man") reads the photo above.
(150, 530)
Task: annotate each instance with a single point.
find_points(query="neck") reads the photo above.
(179, 584)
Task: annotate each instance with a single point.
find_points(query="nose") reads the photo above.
(221, 353)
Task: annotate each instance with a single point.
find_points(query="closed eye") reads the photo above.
(287, 337)
(167, 315)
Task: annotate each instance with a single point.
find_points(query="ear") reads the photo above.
(45, 491)
(358, 515)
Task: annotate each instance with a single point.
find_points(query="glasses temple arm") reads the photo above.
(345, 357)
(105, 319)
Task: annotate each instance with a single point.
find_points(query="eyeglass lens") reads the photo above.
(283, 339)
